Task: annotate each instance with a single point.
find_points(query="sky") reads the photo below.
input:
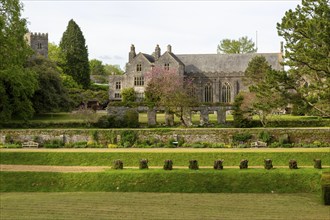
(191, 27)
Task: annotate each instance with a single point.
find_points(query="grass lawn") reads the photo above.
(106, 205)
(71, 117)
(156, 157)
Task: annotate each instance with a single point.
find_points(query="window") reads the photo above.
(225, 93)
(139, 68)
(237, 87)
(39, 46)
(167, 66)
(117, 96)
(208, 93)
(118, 85)
(139, 81)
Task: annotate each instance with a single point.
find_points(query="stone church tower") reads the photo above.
(38, 42)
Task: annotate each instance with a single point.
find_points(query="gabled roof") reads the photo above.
(174, 57)
(149, 57)
(197, 63)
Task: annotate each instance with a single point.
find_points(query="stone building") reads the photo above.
(38, 42)
(217, 77)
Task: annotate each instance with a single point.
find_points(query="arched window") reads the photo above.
(225, 93)
(208, 93)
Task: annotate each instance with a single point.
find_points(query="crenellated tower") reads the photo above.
(38, 42)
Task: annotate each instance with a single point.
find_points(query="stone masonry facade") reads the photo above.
(38, 42)
(217, 77)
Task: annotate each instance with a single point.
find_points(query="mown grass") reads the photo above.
(101, 205)
(156, 158)
(158, 180)
(71, 117)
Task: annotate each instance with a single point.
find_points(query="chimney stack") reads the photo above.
(157, 52)
(169, 48)
(132, 53)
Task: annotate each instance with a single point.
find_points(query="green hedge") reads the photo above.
(157, 158)
(187, 181)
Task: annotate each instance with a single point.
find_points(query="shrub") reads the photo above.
(11, 146)
(168, 165)
(265, 136)
(317, 164)
(293, 164)
(218, 165)
(55, 143)
(128, 138)
(268, 164)
(143, 164)
(193, 165)
(118, 164)
(103, 122)
(241, 137)
(131, 119)
(274, 145)
(243, 164)
(128, 95)
(112, 145)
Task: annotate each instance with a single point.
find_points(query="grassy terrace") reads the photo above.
(156, 157)
(257, 180)
(116, 205)
(74, 117)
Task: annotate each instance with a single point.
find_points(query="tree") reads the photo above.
(168, 89)
(74, 49)
(51, 96)
(55, 54)
(242, 45)
(265, 88)
(97, 67)
(306, 31)
(128, 95)
(17, 84)
(113, 70)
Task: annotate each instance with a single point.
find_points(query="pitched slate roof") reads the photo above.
(149, 57)
(197, 63)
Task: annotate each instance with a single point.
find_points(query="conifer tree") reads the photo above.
(306, 31)
(74, 49)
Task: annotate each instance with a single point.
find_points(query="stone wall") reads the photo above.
(297, 135)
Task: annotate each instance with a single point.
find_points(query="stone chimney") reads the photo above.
(157, 52)
(169, 48)
(132, 53)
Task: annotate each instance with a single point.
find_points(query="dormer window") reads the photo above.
(139, 68)
(167, 66)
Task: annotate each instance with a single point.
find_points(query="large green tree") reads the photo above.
(75, 53)
(17, 84)
(97, 67)
(51, 96)
(266, 91)
(242, 45)
(306, 31)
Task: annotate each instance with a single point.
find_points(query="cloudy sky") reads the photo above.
(191, 27)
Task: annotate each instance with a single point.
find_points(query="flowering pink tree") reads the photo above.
(169, 89)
